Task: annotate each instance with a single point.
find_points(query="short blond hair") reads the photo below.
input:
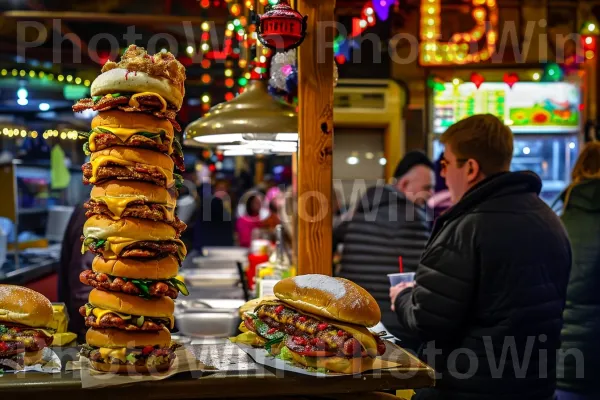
(483, 138)
(588, 163)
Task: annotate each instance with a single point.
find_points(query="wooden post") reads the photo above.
(315, 154)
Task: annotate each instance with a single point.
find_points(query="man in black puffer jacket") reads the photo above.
(389, 222)
(491, 285)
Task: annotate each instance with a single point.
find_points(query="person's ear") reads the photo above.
(473, 170)
(402, 184)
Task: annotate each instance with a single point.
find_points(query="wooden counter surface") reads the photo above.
(244, 379)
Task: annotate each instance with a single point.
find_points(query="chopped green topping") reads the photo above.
(86, 149)
(131, 358)
(178, 181)
(142, 285)
(179, 286)
(97, 98)
(263, 330)
(285, 354)
(272, 342)
(140, 321)
(3, 329)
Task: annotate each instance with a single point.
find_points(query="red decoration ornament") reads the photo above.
(212, 168)
(477, 79)
(511, 79)
(282, 28)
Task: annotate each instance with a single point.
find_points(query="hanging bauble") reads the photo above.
(291, 82)
(281, 28)
(281, 67)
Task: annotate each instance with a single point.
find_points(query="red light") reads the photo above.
(205, 36)
(205, 63)
(235, 10)
(205, 4)
(217, 3)
(581, 107)
(229, 96)
(229, 82)
(212, 167)
(205, 107)
(341, 59)
(206, 78)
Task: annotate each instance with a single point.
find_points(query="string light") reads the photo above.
(205, 26)
(206, 98)
(4, 72)
(486, 25)
(206, 79)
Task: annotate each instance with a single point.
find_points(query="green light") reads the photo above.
(236, 22)
(243, 81)
(273, 2)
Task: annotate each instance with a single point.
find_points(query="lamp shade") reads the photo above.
(253, 115)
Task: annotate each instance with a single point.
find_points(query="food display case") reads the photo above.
(544, 116)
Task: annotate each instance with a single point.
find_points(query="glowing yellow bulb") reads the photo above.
(61, 78)
(78, 81)
(456, 81)
(23, 133)
(430, 21)
(228, 72)
(430, 35)
(247, 75)
(22, 72)
(263, 59)
(206, 99)
(536, 76)
(87, 82)
(589, 54)
(4, 72)
(69, 78)
(14, 72)
(205, 26)
(63, 135)
(34, 134)
(32, 74)
(41, 74)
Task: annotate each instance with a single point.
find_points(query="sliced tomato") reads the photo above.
(317, 353)
(249, 322)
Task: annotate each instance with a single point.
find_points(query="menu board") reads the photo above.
(529, 107)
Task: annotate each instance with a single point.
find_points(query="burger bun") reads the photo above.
(131, 369)
(120, 80)
(117, 338)
(21, 305)
(336, 364)
(160, 307)
(153, 269)
(337, 299)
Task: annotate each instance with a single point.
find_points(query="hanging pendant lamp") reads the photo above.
(253, 115)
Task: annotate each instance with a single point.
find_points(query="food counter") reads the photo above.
(246, 380)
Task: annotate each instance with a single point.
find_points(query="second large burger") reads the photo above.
(320, 322)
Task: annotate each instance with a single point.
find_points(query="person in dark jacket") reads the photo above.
(491, 284)
(70, 290)
(579, 364)
(390, 222)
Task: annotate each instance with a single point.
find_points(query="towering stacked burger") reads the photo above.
(132, 227)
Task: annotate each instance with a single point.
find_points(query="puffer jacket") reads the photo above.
(581, 217)
(490, 291)
(385, 226)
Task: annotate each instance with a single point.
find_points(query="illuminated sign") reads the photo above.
(433, 52)
(529, 107)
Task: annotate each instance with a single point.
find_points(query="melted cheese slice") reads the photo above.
(115, 245)
(104, 160)
(119, 354)
(118, 204)
(124, 134)
(134, 103)
(99, 313)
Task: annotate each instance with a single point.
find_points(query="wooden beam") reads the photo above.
(315, 97)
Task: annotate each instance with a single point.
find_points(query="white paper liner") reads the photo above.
(261, 356)
(50, 364)
(184, 362)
